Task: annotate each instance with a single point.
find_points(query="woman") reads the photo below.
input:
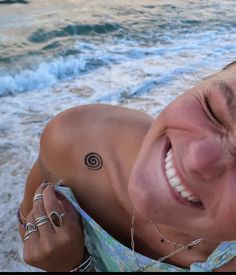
(152, 194)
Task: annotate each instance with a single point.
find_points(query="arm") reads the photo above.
(46, 248)
(37, 175)
(50, 164)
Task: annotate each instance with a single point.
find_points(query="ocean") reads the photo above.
(61, 53)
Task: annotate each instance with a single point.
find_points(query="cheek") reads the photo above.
(143, 192)
(185, 111)
(139, 193)
(170, 117)
(148, 195)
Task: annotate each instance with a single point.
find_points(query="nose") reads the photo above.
(207, 157)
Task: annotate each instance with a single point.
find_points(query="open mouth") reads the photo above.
(181, 191)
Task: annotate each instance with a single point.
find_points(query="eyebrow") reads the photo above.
(229, 95)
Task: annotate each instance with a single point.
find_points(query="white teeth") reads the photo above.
(169, 164)
(174, 181)
(192, 198)
(179, 188)
(185, 194)
(169, 156)
(170, 173)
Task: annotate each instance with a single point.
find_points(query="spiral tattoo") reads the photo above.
(93, 161)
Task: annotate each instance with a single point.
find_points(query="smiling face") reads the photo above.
(185, 174)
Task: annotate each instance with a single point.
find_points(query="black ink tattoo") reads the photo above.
(93, 161)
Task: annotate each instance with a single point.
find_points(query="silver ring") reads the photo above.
(26, 237)
(40, 218)
(30, 226)
(31, 231)
(38, 196)
(43, 222)
(56, 218)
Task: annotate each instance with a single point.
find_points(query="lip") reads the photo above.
(174, 193)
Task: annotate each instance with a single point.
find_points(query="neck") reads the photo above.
(179, 238)
(163, 239)
(154, 247)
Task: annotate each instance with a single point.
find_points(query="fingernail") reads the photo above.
(44, 183)
(50, 184)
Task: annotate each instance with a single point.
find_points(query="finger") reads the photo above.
(31, 248)
(73, 220)
(71, 212)
(31, 236)
(40, 215)
(55, 202)
(39, 191)
(54, 208)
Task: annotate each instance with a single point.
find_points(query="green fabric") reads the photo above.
(109, 255)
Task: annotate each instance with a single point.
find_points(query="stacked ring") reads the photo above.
(30, 227)
(41, 220)
(38, 196)
(26, 237)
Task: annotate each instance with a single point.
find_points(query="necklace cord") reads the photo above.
(161, 259)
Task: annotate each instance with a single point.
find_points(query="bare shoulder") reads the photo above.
(87, 128)
(87, 119)
(100, 113)
(95, 114)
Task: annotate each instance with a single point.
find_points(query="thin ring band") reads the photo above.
(26, 237)
(32, 230)
(43, 222)
(41, 218)
(30, 226)
(38, 196)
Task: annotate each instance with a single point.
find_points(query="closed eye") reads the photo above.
(211, 111)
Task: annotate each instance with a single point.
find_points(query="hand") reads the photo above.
(50, 247)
